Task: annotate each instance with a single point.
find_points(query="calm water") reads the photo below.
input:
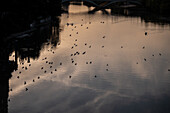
(102, 64)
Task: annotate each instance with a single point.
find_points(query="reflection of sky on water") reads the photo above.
(125, 88)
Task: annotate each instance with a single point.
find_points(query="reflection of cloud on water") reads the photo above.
(126, 85)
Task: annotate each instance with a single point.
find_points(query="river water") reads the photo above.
(101, 64)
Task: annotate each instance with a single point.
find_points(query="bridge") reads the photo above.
(106, 3)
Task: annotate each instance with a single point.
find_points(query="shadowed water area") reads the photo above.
(95, 63)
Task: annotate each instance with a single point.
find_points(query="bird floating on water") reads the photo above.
(84, 53)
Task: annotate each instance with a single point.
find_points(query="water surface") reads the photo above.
(102, 63)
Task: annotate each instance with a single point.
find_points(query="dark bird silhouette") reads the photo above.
(86, 62)
(89, 46)
(168, 69)
(42, 68)
(75, 63)
(107, 64)
(38, 77)
(29, 64)
(75, 39)
(85, 44)
(84, 53)
(146, 33)
(69, 76)
(18, 77)
(121, 46)
(70, 34)
(20, 72)
(90, 62)
(51, 66)
(77, 33)
(51, 72)
(26, 68)
(87, 28)
(24, 82)
(26, 89)
(72, 61)
(23, 67)
(33, 80)
(144, 59)
(103, 36)
(153, 55)
(136, 62)
(55, 69)
(102, 46)
(45, 71)
(11, 89)
(46, 61)
(60, 63)
(107, 69)
(160, 54)
(143, 47)
(95, 76)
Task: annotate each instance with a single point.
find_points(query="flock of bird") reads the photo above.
(72, 55)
